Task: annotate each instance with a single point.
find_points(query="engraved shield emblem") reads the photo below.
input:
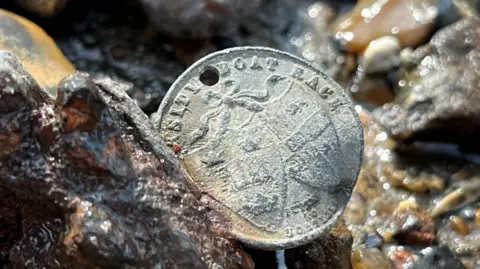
(275, 143)
(282, 147)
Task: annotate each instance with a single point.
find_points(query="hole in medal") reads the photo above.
(210, 76)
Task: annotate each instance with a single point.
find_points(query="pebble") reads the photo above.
(411, 226)
(401, 259)
(367, 258)
(381, 55)
(35, 49)
(411, 21)
(458, 225)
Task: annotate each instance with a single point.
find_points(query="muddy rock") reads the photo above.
(35, 49)
(331, 251)
(93, 186)
(193, 19)
(437, 99)
(45, 8)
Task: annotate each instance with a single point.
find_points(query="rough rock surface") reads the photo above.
(197, 19)
(90, 185)
(438, 98)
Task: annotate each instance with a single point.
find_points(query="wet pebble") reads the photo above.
(381, 55)
(412, 226)
(459, 225)
(35, 49)
(411, 21)
(366, 258)
(401, 259)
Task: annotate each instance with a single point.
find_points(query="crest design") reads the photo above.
(282, 143)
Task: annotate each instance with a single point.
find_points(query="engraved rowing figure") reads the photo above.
(275, 143)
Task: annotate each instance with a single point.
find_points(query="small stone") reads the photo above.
(381, 55)
(374, 240)
(458, 225)
(411, 21)
(366, 258)
(439, 257)
(411, 226)
(176, 148)
(36, 51)
(401, 259)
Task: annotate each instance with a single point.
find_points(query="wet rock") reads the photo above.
(312, 41)
(411, 226)
(45, 8)
(461, 237)
(35, 49)
(374, 240)
(414, 170)
(459, 194)
(459, 225)
(411, 21)
(370, 91)
(120, 45)
(437, 99)
(94, 185)
(401, 259)
(438, 258)
(365, 258)
(195, 19)
(331, 251)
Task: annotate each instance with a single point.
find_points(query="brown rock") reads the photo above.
(331, 251)
(412, 226)
(100, 189)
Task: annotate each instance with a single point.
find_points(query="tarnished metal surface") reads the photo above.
(274, 142)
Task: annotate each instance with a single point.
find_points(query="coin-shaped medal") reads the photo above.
(274, 141)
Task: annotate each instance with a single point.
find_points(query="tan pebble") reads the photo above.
(411, 21)
(459, 225)
(477, 218)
